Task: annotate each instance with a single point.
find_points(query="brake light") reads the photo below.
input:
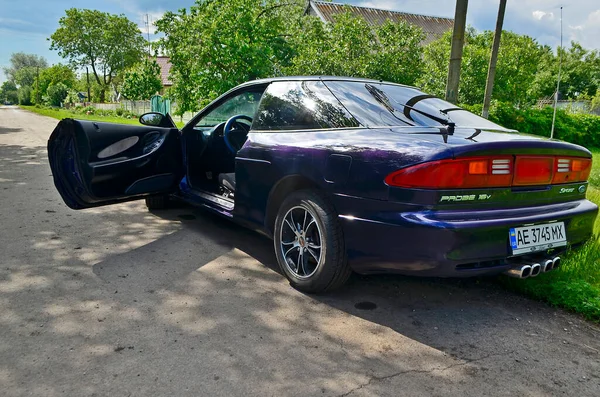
(483, 172)
(572, 169)
(475, 172)
(533, 170)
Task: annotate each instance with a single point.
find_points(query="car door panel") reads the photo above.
(97, 164)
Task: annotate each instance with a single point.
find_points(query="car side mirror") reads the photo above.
(153, 119)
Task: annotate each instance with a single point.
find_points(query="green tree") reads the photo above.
(108, 43)
(580, 74)
(21, 60)
(143, 81)
(26, 76)
(518, 63)
(8, 92)
(53, 75)
(216, 45)
(351, 47)
(24, 95)
(57, 93)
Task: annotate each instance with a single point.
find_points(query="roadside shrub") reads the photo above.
(57, 93)
(71, 97)
(579, 128)
(120, 111)
(88, 110)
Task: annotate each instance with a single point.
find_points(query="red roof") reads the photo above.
(433, 27)
(165, 68)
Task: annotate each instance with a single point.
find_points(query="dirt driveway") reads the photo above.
(118, 301)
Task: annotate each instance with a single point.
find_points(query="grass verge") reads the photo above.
(60, 114)
(576, 284)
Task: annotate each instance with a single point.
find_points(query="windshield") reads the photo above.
(380, 104)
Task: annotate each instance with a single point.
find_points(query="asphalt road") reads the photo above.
(118, 301)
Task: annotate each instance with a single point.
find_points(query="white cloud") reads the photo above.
(587, 33)
(539, 15)
(14, 21)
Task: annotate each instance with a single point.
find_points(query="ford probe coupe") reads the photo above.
(346, 175)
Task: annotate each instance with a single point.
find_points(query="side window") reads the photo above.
(245, 103)
(300, 105)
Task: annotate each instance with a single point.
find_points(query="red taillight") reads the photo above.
(482, 172)
(472, 172)
(571, 169)
(534, 170)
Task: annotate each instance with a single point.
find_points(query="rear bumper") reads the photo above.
(447, 243)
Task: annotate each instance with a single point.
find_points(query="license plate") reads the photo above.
(537, 238)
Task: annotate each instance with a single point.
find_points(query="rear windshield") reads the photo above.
(383, 105)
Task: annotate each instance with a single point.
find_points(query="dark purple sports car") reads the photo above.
(346, 175)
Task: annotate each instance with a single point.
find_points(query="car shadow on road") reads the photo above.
(455, 316)
(7, 130)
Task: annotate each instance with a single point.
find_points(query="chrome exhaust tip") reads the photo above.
(547, 265)
(523, 271)
(535, 269)
(556, 262)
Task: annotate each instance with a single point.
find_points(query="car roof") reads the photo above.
(317, 78)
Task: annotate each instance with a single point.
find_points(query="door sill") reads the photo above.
(216, 199)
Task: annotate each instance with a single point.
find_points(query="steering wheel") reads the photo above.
(235, 133)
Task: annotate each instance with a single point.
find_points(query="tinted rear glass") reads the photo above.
(378, 104)
(300, 105)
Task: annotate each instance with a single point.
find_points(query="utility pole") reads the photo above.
(458, 39)
(37, 86)
(560, 51)
(148, 32)
(489, 86)
(87, 75)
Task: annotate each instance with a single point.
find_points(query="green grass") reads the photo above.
(60, 114)
(576, 284)
(595, 175)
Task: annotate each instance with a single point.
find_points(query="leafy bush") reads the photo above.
(120, 111)
(142, 81)
(57, 94)
(582, 129)
(71, 97)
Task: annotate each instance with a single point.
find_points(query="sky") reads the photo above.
(25, 25)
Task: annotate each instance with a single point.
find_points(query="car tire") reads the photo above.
(323, 269)
(157, 202)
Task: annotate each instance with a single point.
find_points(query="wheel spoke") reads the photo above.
(312, 222)
(291, 226)
(288, 242)
(289, 251)
(313, 246)
(314, 255)
(295, 228)
(304, 222)
(300, 262)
